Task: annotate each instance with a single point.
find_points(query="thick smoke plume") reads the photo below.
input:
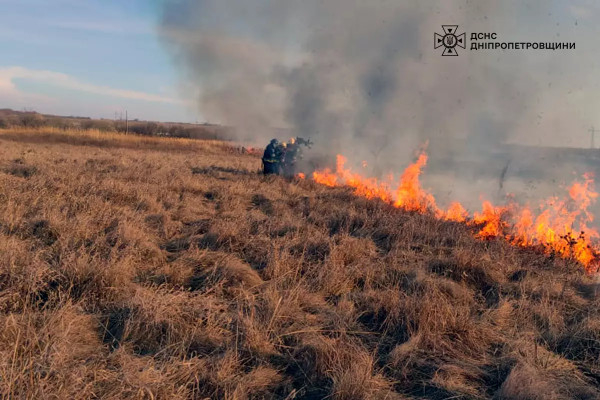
(362, 78)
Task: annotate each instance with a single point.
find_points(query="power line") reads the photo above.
(593, 131)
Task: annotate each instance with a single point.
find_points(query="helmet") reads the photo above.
(274, 141)
(292, 140)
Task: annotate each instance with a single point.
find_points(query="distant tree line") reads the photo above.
(29, 119)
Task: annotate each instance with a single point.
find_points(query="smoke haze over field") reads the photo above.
(362, 78)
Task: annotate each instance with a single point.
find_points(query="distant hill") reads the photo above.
(12, 118)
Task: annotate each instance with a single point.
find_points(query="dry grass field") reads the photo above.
(147, 268)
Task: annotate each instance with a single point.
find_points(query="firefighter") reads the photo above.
(272, 158)
(281, 151)
(290, 157)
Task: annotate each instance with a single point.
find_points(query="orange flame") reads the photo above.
(456, 212)
(409, 194)
(491, 218)
(367, 187)
(559, 227)
(562, 226)
(325, 177)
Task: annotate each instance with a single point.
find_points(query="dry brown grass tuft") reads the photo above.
(170, 269)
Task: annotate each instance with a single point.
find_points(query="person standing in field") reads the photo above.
(290, 158)
(272, 158)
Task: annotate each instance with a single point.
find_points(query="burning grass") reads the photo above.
(171, 269)
(558, 226)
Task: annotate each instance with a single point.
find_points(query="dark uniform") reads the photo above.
(271, 158)
(290, 158)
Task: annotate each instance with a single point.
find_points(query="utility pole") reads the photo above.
(593, 132)
(127, 124)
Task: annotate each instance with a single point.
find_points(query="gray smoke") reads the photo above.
(362, 78)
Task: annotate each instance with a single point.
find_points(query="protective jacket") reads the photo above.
(271, 159)
(271, 154)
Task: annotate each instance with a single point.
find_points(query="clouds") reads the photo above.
(48, 19)
(89, 58)
(103, 54)
(62, 94)
(8, 76)
(129, 27)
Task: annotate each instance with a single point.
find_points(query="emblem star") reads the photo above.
(450, 40)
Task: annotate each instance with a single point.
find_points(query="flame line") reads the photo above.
(552, 228)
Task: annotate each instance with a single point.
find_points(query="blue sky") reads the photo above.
(89, 58)
(101, 57)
